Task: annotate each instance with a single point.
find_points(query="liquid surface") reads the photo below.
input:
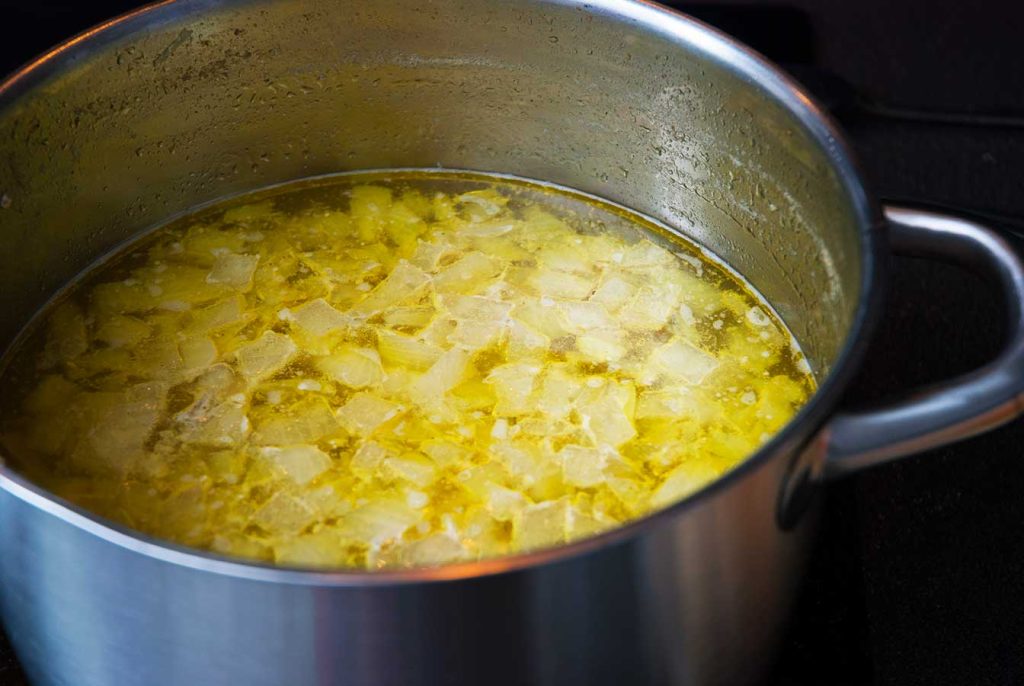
(397, 371)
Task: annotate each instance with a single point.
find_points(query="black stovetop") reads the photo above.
(918, 576)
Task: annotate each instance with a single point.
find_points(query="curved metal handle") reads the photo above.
(957, 409)
(935, 416)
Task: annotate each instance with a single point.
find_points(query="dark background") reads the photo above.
(918, 577)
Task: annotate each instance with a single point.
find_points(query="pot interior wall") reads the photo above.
(197, 100)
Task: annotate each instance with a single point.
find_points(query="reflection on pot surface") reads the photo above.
(398, 369)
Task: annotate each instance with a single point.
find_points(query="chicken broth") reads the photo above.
(397, 370)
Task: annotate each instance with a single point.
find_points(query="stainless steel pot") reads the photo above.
(190, 100)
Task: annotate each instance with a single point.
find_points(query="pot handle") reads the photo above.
(945, 413)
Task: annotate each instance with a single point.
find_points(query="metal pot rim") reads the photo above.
(646, 16)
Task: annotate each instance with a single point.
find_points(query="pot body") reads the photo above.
(193, 100)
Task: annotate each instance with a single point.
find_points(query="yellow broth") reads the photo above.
(397, 370)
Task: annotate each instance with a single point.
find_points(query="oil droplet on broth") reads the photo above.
(397, 370)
